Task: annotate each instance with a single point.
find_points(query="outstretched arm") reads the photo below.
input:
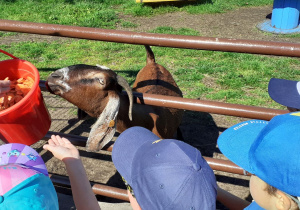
(65, 151)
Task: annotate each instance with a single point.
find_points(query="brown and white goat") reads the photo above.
(97, 90)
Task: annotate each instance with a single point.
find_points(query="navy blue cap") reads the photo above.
(285, 92)
(164, 174)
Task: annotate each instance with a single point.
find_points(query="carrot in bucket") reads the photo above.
(18, 89)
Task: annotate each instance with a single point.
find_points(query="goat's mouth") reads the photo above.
(48, 88)
(53, 88)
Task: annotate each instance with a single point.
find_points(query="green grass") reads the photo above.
(105, 13)
(221, 76)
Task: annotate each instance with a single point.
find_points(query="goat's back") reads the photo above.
(155, 79)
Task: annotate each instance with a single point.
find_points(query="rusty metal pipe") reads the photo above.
(98, 189)
(75, 139)
(108, 191)
(209, 106)
(162, 40)
(203, 105)
(225, 166)
(215, 164)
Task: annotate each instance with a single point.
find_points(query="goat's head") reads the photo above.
(95, 90)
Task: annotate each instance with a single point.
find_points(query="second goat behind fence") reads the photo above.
(97, 90)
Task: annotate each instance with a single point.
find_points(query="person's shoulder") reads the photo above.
(254, 206)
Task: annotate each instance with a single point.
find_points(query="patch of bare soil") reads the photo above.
(237, 24)
(199, 129)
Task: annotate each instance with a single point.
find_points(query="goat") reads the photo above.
(97, 90)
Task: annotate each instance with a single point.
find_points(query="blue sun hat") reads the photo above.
(164, 174)
(24, 180)
(285, 92)
(270, 150)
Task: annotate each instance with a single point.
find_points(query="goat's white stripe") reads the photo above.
(103, 67)
(65, 72)
(65, 85)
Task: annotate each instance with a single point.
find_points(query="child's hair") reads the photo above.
(270, 189)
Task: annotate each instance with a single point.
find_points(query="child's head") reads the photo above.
(270, 151)
(164, 174)
(24, 181)
(285, 92)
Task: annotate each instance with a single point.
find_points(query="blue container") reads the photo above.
(285, 14)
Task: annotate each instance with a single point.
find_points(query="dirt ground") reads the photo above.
(199, 129)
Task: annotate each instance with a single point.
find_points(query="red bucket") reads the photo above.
(27, 121)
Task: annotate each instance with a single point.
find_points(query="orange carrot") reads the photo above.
(18, 90)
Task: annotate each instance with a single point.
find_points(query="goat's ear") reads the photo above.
(121, 81)
(105, 127)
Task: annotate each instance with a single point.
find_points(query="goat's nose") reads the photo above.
(57, 75)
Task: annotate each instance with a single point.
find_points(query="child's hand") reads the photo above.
(4, 86)
(61, 148)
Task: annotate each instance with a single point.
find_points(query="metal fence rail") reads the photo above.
(162, 40)
(214, 107)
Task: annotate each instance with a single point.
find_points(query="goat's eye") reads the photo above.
(57, 75)
(101, 81)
